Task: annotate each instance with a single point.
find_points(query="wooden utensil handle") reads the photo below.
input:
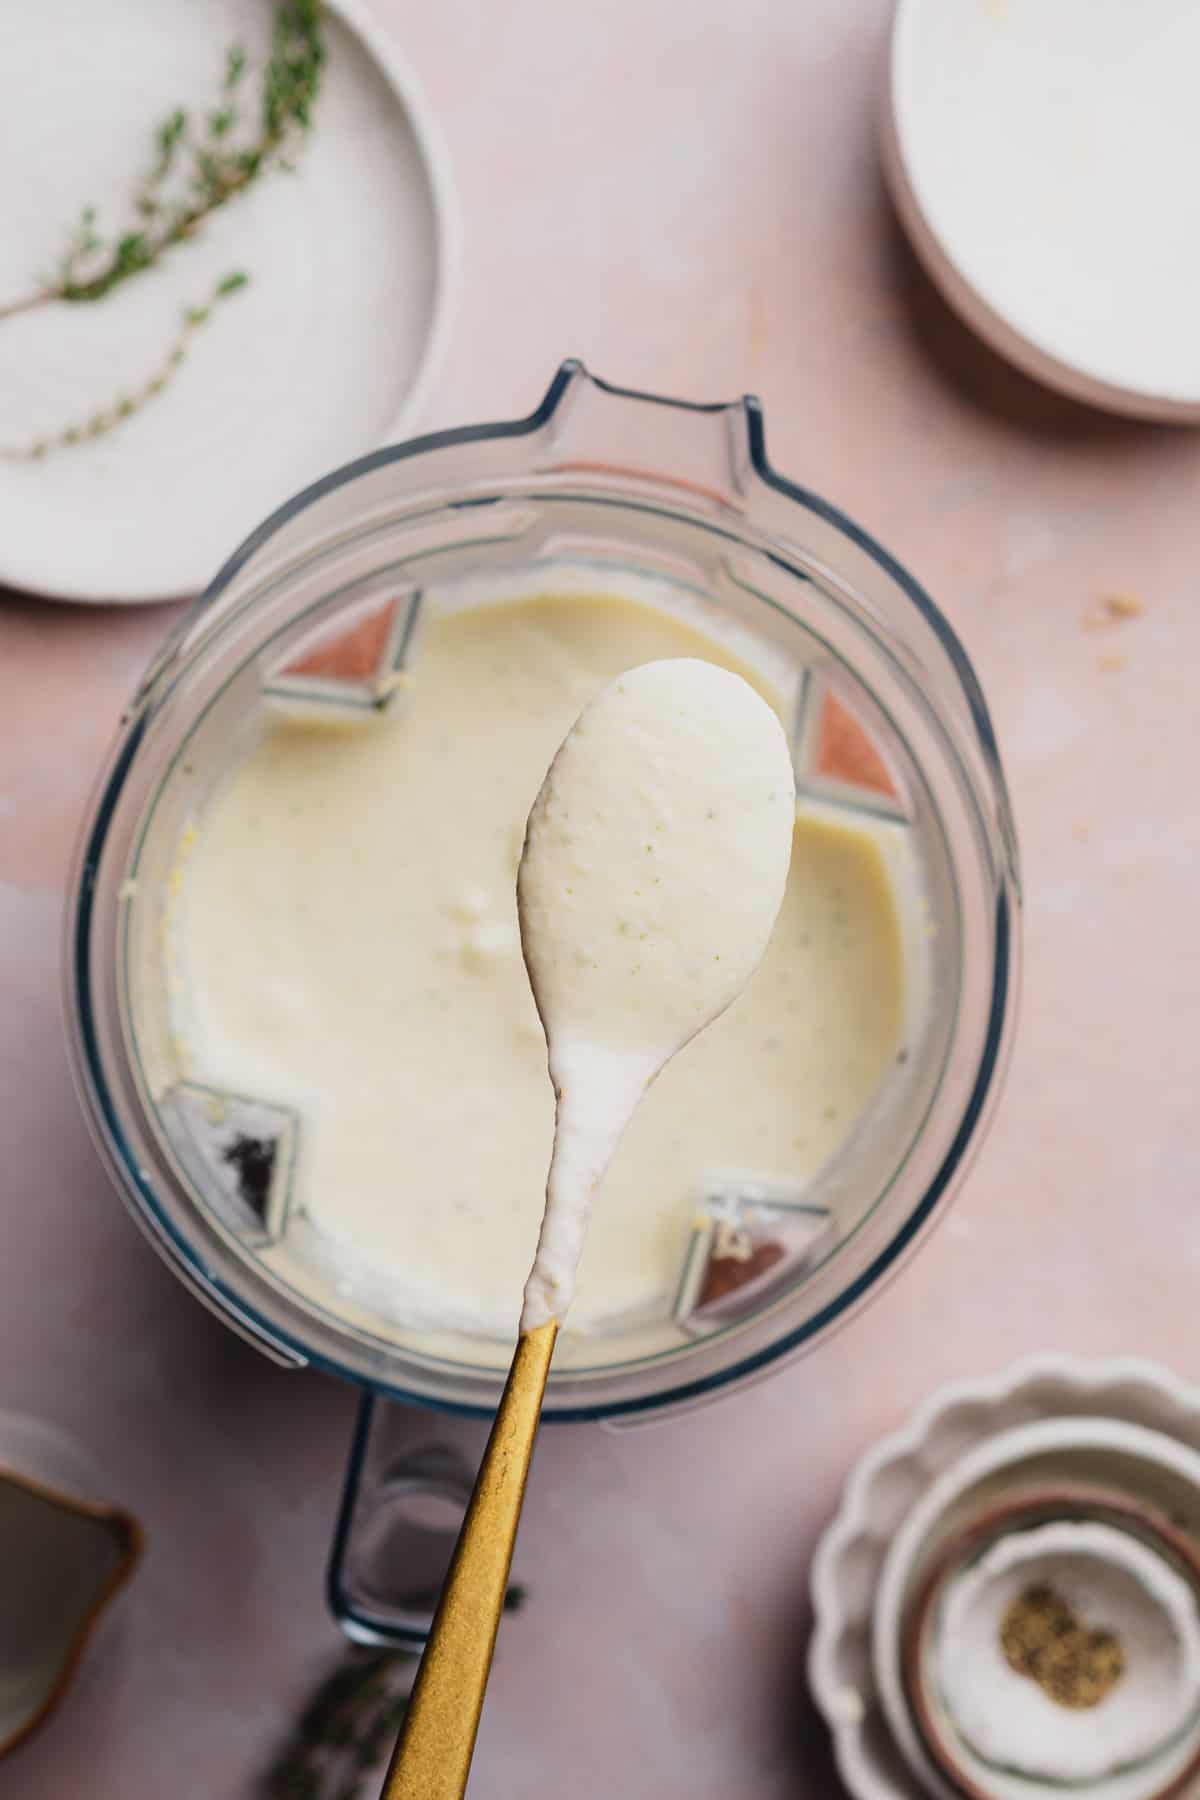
(432, 1759)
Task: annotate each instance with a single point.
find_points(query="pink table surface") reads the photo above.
(688, 197)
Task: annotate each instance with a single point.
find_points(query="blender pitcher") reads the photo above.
(598, 490)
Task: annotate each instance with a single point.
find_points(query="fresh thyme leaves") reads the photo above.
(100, 423)
(348, 1727)
(200, 163)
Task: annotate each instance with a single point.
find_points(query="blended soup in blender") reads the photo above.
(344, 942)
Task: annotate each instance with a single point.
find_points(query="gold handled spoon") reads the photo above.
(654, 863)
(433, 1756)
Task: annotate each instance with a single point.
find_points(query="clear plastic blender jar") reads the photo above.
(602, 490)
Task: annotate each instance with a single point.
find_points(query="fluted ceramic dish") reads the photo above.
(890, 1481)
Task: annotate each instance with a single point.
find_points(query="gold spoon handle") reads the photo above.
(432, 1759)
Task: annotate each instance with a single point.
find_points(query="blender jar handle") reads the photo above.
(408, 1481)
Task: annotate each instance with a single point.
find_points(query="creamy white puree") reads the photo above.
(345, 942)
(653, 869)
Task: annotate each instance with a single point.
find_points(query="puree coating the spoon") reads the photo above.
(654, 865)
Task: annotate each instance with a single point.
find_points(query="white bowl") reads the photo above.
(890, 1480)
(1034, 154)
(1155, 1704)
(1154, 1469)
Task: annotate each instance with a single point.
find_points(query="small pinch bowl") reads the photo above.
(1165, 1771)
(1120, 1423)
(65, 1555)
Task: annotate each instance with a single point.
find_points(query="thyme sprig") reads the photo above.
(125, 405)
(199, 165)
(345, 1731)
(349, 1726)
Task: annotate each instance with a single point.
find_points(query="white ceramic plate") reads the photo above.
(1038, 156)
(888, 1483)
(330, 349)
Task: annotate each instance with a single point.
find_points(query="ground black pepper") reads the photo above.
(1042, 1638)
(254, 1160)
